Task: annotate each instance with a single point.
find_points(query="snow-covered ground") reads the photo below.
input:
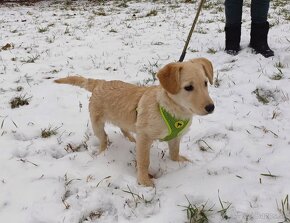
(240, 154)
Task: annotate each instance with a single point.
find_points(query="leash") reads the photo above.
(191, 31)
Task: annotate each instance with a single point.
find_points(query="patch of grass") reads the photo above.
(103, 180)
(31, 59)
(189, 1)
(279, 3)
(275, 114)
(217, 80)
(50, 39)
(284, 209)
(284, 11)
(137, 198)
(2, 123)
(100, 12)
(100, 2)
(211, 51)
(67, 192)
(113, 31)
(175, 6)
(269, 174)
(279, 65)
(193, 50)
(152, 12)
(265, 130)
(90, 25)
(285, 96)
(224, 209)
(277, 76)
(68, 4)
(55, 71)
(201, 30)
(95, 214)
(158, 43)
(209, 5)
(219, 8)
(51, 25)
(42, 29)
(48, 132)
(19, 88)
(76, 148)
(203, 145)
(27, 161)
(67, 30)
(152, 70)
(197, 214)
(220, 30)
(221, 19)
(92, 216)
(123, 4)
(261, 96)
(18, 101)
(210, 21)
(7, 46)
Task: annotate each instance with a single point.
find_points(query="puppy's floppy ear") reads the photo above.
(169, 77)
(207, 66)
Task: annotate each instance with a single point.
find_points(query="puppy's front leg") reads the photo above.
(143, 145)
(174, 150)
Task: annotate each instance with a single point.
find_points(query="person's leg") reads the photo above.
(260, 27)
(233, 12)
(259, 10)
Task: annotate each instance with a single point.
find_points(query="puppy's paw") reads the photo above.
(146, 181)
(180, 158)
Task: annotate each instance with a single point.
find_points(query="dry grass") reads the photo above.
(48, 132)
(18, 101)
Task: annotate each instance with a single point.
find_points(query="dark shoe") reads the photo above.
(232, 52)
(233, 38)
(259, 35)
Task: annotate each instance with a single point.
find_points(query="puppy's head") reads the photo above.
(186, 83)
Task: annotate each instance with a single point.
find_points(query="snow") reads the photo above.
(44, 180)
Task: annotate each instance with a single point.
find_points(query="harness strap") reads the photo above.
(175, 126)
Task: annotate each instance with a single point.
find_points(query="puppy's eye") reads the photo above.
(205, 83)
(188, 88)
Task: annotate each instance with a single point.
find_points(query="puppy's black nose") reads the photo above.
(209, 108)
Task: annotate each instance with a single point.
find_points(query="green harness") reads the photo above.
(175, 126)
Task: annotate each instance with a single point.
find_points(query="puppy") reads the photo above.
(162, 112)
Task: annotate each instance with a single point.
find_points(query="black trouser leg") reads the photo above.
(233, 10)
(260, 27)
(259, 10)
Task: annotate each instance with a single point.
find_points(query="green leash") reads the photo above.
(175, 126)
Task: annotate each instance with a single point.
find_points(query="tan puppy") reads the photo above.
(183, 92)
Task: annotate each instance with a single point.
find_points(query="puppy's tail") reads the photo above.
(88, 84)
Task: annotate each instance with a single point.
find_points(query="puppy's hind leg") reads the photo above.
(98, 125)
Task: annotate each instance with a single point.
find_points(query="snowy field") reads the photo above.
(49, 168)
